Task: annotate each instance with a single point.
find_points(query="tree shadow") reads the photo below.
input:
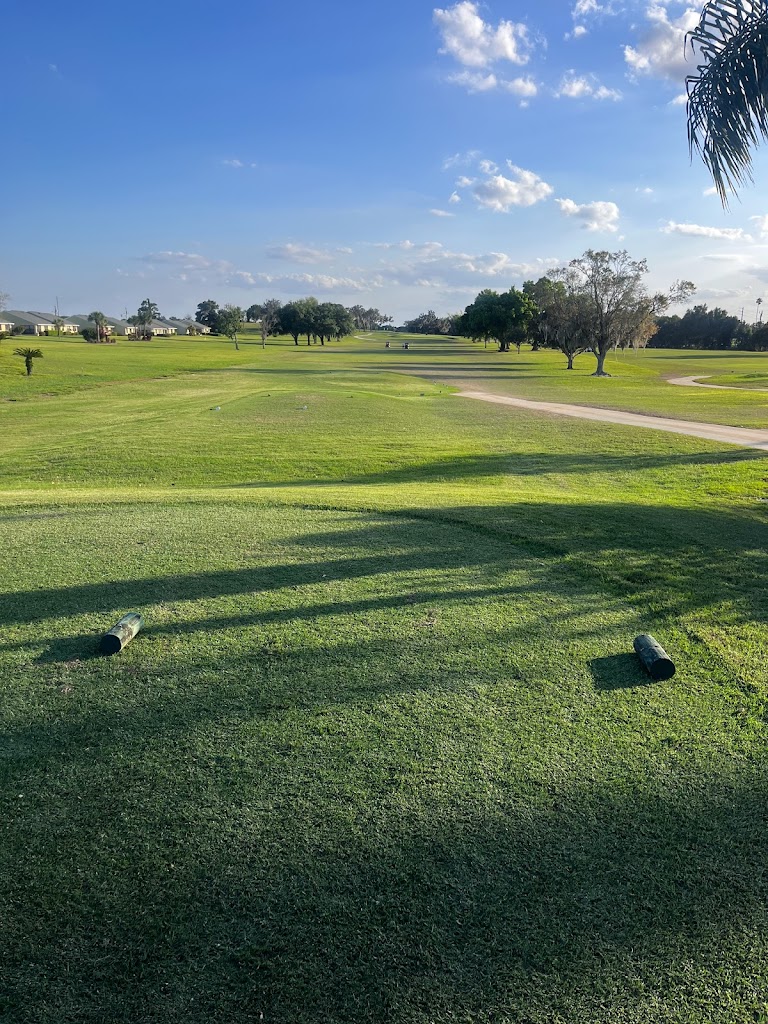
(585, 904)
(470, 467)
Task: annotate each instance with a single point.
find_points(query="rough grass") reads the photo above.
(382, 752)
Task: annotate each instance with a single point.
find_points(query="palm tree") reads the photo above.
(100, 321)
(728, 96)
(28, 354)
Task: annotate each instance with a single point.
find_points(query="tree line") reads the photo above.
(317, 321)
(596, 303)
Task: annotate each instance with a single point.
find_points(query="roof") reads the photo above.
(81, 320)
(16, 316)
(50, 317)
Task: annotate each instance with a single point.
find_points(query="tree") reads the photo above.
(728, 96)
(506, 317)
(368, 319)
(252, 313)
(754, 339)
(564, 321)
(206, 313)
(617, 305)
(228, 322)
(291, 320)
(102, 327)
(147, 312)
(307, 316)
(91, 335)
(426, 323)
(700, 328)
(345, 323)
(332, 320)
(28, 354)
(269, 315)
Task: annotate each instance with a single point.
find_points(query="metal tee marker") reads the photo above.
(655, 659)
(122, 633)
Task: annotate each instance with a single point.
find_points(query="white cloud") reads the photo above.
(762, 225)
(579, 87)
(578, 32)
(292, 253)
(442, 213)
(644, 191)
(464, 181)
(461, 159)
(712, 191)
(431, 265)
(477, 81)
(729, 257)
(585, 7)
(238, 164)
(597, 216)
(454, 198)
(720, 294)
(198, 269)
(500, 194)
(702, 231)
(661, 50)
(488, 167)
(524, 87)
(476, 44)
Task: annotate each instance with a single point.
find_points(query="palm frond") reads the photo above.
(728, 97)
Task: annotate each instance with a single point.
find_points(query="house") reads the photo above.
(198, 327)
(173, 325)
(185, 326)
(121, 327)
(161, 327)
(82, 321)
(28, 323)
(6, 326)
(154, 327)
(65, 327)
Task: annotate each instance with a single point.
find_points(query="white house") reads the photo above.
(121, 327)
(65, 327)
(29, 323)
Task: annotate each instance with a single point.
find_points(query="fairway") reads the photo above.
(382, 751)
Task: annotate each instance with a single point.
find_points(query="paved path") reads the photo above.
(695, 382)
(711, 431)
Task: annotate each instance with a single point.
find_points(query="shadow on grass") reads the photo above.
(588, 904)
(674, 559)
(469, 467)
(619, 672)
(81, 648)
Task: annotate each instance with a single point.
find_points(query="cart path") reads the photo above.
(742, 436)
(695, 382)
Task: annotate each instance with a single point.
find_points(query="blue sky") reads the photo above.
(402, 154)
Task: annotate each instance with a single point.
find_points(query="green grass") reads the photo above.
(741, 380)
(382, 752)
